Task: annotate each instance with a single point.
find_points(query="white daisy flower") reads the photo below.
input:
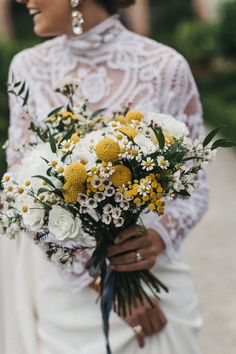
(148, 164)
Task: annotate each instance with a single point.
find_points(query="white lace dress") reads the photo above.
(55, 312)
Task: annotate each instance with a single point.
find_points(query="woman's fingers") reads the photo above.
(133, 231)
(145, 264)
(157, 318)
(131, 257)
(130, 245)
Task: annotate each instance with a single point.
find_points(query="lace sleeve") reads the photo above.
(19, 135)
(182, 101)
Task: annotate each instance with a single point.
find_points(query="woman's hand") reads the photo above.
(135, 249)
(146, 320)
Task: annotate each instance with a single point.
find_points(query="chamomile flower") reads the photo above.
(148, 164)
(67, 146)
(162, 163)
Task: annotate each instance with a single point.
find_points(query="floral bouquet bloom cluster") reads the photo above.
(90, 178)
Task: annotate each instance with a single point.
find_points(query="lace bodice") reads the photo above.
(115, 67)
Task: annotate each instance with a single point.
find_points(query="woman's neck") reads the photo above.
(93, 14)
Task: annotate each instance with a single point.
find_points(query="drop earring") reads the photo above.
(77, 18)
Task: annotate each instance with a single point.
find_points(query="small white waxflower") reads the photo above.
(119, 197)
(148, 164)
(162, 163)
(96, 182)
(119, 222)
(82, 199)
(84, 209)
(106, 219)
(99, 196)
(116, 213)
(91, 203)
(109, 191)
(107, 209)
(124, 205)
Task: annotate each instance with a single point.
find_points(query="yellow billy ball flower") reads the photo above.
(108, 150)
(121, 175)
(121, 119)
(134, 115)
(74, 139)
(130, 132)
(71, 192)
(75, 173)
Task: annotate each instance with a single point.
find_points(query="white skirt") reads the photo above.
(53, 320)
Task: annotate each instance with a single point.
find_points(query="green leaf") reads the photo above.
(68, 135)
(55, 111)
(42, 190)
(17, 84)
(45, 179)
(160, 137)
(22, 89)
(97, 113)
(223, 143)
(52, 142)
(211, 136)
(25, 100)
(184, 194)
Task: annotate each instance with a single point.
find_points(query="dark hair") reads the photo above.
(112, 6)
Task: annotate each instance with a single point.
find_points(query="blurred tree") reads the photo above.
(6, 28)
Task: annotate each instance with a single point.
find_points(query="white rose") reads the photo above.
(63, 225)
(33, 164)
(145, 144)
(84, 156)
(34, 217)
(167, 123)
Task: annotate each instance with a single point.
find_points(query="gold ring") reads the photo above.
(139, 257)
(138, 329)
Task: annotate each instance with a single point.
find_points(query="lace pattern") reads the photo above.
(116, 68)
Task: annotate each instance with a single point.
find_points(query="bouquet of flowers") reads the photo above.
(89, 177)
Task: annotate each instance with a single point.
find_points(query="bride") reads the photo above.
(55, 312)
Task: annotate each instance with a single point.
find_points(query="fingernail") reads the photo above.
(117, 240)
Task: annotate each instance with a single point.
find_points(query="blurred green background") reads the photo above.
(208, 45)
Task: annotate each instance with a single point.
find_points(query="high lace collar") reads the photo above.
(103, 33)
